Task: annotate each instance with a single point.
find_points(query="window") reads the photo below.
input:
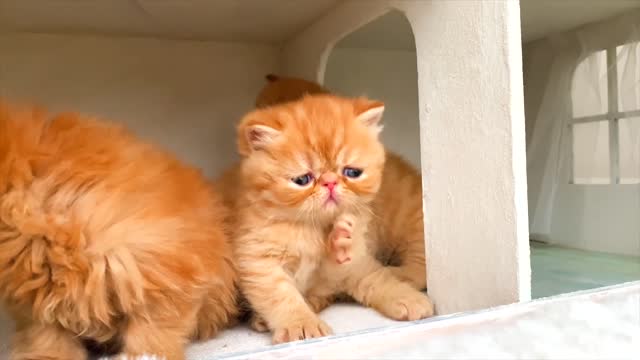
(605, 128)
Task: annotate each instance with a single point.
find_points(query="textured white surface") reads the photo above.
(220, 20)
(343, 318)
(473, 152)
(592, 325)
(270, 21)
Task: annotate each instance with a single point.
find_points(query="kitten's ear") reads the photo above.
(254, 137)
(272, 77)
(370, 113)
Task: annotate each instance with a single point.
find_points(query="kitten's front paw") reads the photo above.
(340, 239)
(408, 307)
(307, 329)
(258, 324)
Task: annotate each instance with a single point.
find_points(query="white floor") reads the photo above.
(343, 318)
(594, 324)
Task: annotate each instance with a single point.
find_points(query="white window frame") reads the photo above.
(613, 115)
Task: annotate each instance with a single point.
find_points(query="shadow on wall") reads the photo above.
(379, 61)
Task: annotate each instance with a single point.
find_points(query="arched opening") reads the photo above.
(379, 60)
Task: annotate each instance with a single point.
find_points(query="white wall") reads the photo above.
(598, 218)
(387, 75)
(185, 95)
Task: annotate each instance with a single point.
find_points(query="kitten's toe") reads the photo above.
(410, 307)
(258, 324)
(342, 250)
(309, 329)
(340, 239)
(345, 224)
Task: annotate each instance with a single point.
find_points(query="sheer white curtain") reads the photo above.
(582, 95)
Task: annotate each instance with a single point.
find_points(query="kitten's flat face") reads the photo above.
(314, 158)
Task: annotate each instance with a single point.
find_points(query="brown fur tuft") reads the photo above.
(280, 89)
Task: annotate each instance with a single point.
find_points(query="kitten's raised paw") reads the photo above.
(306, 329)
(409, 307)
(340, 241)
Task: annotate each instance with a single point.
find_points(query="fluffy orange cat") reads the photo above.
(303, 223)
(106, 239)
(399, 229)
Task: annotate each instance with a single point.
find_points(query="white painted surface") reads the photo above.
(473, 152)
(472, 138)
(599, 324)
(267, 21)
(221, 20)
(184, 95)
(388, 75)
(541, 18)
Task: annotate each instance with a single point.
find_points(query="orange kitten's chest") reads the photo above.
(304, 255)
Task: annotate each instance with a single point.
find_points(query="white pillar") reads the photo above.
(473, 151)
(472, 139)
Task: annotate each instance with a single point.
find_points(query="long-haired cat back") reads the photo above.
(106, 239)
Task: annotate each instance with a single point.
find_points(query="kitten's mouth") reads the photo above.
(331, 200)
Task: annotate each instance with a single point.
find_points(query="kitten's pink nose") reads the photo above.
(329, 180)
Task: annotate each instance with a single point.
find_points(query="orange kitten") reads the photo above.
(399, 230)
(106, 239)
(310, 171)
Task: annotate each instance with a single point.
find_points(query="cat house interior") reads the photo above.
(182, 74)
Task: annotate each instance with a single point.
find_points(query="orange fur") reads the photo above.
(106, 238)
(286, 235)
(399, 231)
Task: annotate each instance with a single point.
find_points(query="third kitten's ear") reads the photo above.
(370, 113)
(272, 77)
(256, 137)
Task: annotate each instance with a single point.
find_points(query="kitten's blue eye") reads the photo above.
(303, 180)
(351, 172)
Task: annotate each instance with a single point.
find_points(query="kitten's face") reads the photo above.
(315, 158)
